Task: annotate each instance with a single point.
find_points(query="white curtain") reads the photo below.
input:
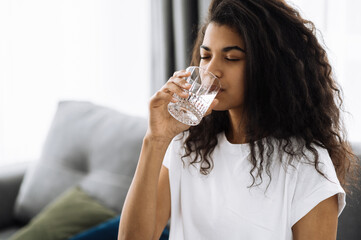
(340, 25)
(51, 50)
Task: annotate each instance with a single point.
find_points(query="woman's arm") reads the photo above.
(141, 216)
(163, 200)
(147, 205)
(144, 212)
(320, 223)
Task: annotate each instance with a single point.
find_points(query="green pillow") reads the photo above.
(71, 213)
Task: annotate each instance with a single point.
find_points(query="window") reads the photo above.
(90, 50)
(340, 25)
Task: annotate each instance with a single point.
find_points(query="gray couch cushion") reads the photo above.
(10, 180)
(349, 224)
(6, 233)
(89, 145)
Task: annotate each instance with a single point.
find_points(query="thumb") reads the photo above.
(211, 107)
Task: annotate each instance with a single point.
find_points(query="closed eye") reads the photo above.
(233, 59)
(228, 59)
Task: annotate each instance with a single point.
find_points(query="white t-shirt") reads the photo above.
(220, 205)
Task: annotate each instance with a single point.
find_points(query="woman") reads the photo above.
(269, 161)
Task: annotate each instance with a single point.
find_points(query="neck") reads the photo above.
(236, 131)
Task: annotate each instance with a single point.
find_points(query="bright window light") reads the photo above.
(91, 50)
(340, 25)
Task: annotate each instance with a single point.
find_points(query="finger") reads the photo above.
(161, 98)
(176, 73)
(171, 87)
(181, 82)
(211, 107)
(181, 73)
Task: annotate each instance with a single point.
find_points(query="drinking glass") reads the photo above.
(204, 88)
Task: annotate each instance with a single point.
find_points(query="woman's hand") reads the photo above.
(162, 125)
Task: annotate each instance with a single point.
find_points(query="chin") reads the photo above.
(226, 107)
(219, 107)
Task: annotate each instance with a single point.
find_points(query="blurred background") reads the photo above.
(104, 51)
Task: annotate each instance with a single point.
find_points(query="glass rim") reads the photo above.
(212, 74)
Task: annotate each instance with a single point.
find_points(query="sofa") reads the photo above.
(90, 146)
(96, 149)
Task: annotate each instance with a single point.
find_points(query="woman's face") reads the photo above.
(222, 54)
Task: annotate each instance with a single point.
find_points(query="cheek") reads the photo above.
(237, 78)
(238, 85)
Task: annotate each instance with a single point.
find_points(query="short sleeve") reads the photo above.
(311, 188)
(167, 156)
(173, 150)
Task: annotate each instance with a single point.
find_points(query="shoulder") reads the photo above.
(312, 165)
(175, 149)
(303, 157)
(179, 141)
(317, 158)
(315, 182)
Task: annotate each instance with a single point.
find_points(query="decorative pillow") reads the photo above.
(71, 213)
(94, 147)
(108, 230)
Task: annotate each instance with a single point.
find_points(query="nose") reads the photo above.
(214, 68)
(217, 73)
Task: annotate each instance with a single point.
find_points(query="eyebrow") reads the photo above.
(226, 49)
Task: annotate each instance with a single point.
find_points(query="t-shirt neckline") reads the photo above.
(238, 148)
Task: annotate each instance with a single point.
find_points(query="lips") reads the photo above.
(220, 91)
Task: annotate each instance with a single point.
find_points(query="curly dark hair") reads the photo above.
(290, 92)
